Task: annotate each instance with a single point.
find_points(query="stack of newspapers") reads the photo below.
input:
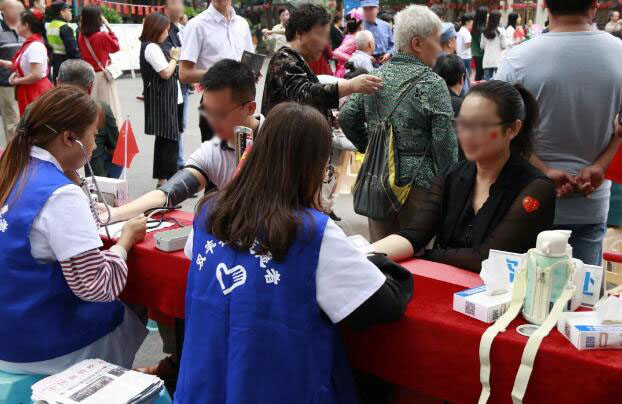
(94, 381)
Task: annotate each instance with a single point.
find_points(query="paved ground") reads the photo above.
(140, 180)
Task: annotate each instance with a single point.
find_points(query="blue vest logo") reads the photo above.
(4, 225)
(230, 278)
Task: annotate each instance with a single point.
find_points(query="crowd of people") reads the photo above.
(455, 164)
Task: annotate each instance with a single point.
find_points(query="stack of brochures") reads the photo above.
(94, 381)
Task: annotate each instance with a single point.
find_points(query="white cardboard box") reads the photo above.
(583, 331)
(475, 303)
(114, 190)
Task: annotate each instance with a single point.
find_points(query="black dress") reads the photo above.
(163, 116)
(520, 205)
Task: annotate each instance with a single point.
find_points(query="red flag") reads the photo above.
(125, 143)
(614, 172)
(118, 7)
(126, 9)
(133, 10)
(140, 10)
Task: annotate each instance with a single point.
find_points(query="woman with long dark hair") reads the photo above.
(347, 47)
(95, 48)
(271, 275)
(514, 21)
(495, 199)
(479, 24)
(163, 98)
(30, 63)
(493, 44)
(56, 283)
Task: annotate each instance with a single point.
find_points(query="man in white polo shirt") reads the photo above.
(228, 101)
(215, 34)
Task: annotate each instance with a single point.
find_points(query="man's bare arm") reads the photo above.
(158, 198)
(188, 73)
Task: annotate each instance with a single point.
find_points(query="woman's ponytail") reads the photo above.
(13, 162)
(513, 102)
(523, 142)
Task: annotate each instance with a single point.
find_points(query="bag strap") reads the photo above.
(403, 95)
(531, 349)
(88, 45)
(518, 297)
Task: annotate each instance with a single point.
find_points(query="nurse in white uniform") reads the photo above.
(58, 295)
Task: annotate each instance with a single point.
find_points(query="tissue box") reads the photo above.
(583, 331)
(115, 191)
(475, 303)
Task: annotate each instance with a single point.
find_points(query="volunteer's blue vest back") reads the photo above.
(254, 330)
(40, 317)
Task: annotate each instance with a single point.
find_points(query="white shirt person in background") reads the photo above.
(492, 43)
(215, 34)
(365, 45)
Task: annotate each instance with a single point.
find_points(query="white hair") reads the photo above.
(415, 21)
(362, 39)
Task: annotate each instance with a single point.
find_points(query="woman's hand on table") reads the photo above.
(133, 232)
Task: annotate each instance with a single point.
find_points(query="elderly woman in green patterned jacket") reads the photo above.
(422, 123)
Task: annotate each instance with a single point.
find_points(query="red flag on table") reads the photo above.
(126, 146)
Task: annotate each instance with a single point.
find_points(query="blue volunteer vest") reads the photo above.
(254, 330)
(40, 317)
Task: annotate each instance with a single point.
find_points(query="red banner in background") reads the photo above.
(125, 8)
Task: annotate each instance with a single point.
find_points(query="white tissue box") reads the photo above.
(584, 332)
(115, 191)
(475, 303)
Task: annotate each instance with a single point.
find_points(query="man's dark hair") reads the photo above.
(231, 74)
(304, 19)
(466, 18)
(569, 7)
(451, 68)
(438, 10)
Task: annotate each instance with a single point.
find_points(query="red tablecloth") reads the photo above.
(157, 279)
(433, 350)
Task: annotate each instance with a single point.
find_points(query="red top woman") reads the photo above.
(30, 63)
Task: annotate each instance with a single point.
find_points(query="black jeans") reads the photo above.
(479, 70)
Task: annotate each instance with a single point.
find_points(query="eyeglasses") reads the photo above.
(207, 114)
(476, 128)
(329, 175)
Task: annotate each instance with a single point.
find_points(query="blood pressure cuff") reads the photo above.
(389, 302)
(180, 187)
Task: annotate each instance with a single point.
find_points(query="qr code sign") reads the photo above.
(470, 309)
(590, 342)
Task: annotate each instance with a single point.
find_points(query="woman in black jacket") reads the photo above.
(493, 200)
(163, 98)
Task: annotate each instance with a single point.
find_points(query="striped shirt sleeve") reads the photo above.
(96, 276)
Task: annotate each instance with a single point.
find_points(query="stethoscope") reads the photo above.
(98, 192)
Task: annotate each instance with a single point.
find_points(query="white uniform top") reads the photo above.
(209, 38)
(34, 53)
(65, 226)
(155, 57)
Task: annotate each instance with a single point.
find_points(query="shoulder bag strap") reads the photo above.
(404, 93)
(88, 45)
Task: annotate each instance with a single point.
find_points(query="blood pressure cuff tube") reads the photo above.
(389, 302)
(180, 187)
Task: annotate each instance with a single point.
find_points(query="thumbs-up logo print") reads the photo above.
(233, 277)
